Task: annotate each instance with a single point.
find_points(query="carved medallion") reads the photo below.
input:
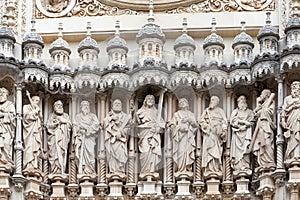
(254, 4)
(55, 8)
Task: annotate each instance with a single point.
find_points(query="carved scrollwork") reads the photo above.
(83, 8)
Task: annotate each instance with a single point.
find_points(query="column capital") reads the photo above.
(280, 78)
(19, 86)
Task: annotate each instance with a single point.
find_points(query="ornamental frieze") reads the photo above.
(81, 8)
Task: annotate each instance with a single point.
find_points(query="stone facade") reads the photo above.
(152, 100)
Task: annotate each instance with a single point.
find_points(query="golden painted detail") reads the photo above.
(134, 7)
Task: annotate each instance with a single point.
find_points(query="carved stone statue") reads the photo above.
(85, 132)
(32, 133)
(59, 127)
(213, 124)
(150, 127)
(7, 129)
(290, 120)
(263, 143)
(241, 122)
(183, 129)
(116, 127)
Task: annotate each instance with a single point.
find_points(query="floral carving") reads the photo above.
(101, 7)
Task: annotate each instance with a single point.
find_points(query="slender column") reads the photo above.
(18, 178)
(198, 173)
(279, 137)
(102, 164)
(45, 188)
(228, 175)
(73, 168)
(101, 186)
(168, 144)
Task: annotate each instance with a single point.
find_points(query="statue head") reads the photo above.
(85, 107)
(265, 94)
(183, 103)
(149, 101)
(117, 105)
(3, 94)
(35, 100)
(214, 102)
(242, 102)
(295, 89)
(58, 107)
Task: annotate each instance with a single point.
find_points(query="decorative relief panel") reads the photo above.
(58, 8)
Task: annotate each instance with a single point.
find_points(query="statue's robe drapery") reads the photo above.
(58, 141)
(32, 134)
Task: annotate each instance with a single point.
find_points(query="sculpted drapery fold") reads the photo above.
(59, 128)
(116, 127)
(149, 136)
(183, 129)
(290, 120)
(241, 122)
(7, 129)
(85, 131)
(32, 134)
(213, 123)
(263, 134)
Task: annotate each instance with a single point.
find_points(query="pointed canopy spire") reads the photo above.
(117, 27)
(151, 15)
(33, 25)
(184, 25)
(4, 21)
(243, 28)
(213, 25)
(60, 29)
(88, 28)
(268, 20)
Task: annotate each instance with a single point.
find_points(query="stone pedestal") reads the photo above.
(4, 185)
(58, 186)
(86, 185)
(183, 185)
(115, 186)
(213, 188)
(242, 188)
(294, 182)
(266, 185)
(115, 189)
(150, 188)
(32, 188)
